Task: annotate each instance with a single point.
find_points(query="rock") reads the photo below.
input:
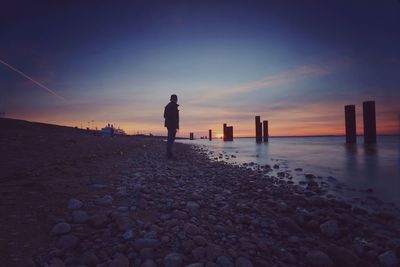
(79, 216)
(342, 256)
(105, 200)
(329, 228)
(89, 259)
(212, 252)
(128, 234)
(61, 228)
(180, 214)
(388, 258)
(98, 186)
(55, 262)
(192, 205)
(200, 240)
(173, 260)
(120, 260)
(243, 262)
(211, 264)
(149, 263)
(74, 203)
(198, 253)
(224, 261)
(98, 221)
(309, 176)
(289, 224)
(147, 253)
(191, 229)
(146, 243)
(196, 264)
(67, 242)
(318, 258)
(123, 222)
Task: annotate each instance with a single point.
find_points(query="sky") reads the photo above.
(294, 63)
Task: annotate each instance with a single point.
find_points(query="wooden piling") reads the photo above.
(209, 135)
(350, 123)
(265, 131)
(258, 129)
(369, 122)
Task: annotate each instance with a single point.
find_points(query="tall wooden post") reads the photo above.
(224, 132)
(350, 122)
(191, 136)
(369, 122)
(209, 135)
(258, 130)
(265, 130)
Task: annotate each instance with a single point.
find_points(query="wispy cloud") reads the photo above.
(271, 81)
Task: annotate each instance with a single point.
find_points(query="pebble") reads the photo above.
(67, 242)
(149, 263)
(79, 216)
(55, 262)
(342, 256)
(329, 228)
(98, 221)
(74, 203)
(61, 228)
(146, 243)
(191, 229)
(243, 262)
(173, 260)
(388, 259)
(89, 259)
(318, 258)
(223, 261)
(120, 260)
(105, 200)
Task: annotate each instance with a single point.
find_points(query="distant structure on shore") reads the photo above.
(110, 131)
(228, 132)
(261, 130)
(369, 120)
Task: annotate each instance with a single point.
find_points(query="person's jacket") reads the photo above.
(171, 115)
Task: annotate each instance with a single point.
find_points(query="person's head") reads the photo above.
(174, 98)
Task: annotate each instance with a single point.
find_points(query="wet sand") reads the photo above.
(69, 198)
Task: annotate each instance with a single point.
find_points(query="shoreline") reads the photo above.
(148, 211)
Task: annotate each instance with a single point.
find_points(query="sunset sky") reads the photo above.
(295, 63)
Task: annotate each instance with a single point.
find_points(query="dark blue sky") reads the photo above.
(295, 62)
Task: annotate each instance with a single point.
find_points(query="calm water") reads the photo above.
(359, 167)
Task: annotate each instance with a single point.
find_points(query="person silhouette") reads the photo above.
(171, 116)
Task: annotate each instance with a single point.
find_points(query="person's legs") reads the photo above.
(170, 141)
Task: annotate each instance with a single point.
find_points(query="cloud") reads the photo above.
(271, 81)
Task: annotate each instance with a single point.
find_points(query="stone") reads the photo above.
(388, 259)
(198, 253)
(224, 261)
(120, 260)
(55, 262)
(173, 260)
(67, 242)
(211, 264)
(290, 225)
(243, 262)
(128, 234)
(89, 259)
(146, 243)
(79, 216)
(74, 203)
(191, 229)
(200, 240)
(147, 253)
(105, 200)
(329, 228)
(123, 222)
(149, 263)
(196, 264)
(61, 228)
(318, 258)
(342, 256)
(98, 221)
(212, 252)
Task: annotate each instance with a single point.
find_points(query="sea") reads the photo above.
(353, 172)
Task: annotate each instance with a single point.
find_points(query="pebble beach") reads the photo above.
(70, 198)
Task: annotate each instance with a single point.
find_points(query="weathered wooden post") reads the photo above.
(258, 130)
(224, 132)
(369, 122)
(191, 136)
(265, 130)
(228, 133)
(209, 135)
(350, 122)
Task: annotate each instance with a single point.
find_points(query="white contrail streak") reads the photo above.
(32, 80)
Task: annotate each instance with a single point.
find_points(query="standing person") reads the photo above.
(171, 116)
